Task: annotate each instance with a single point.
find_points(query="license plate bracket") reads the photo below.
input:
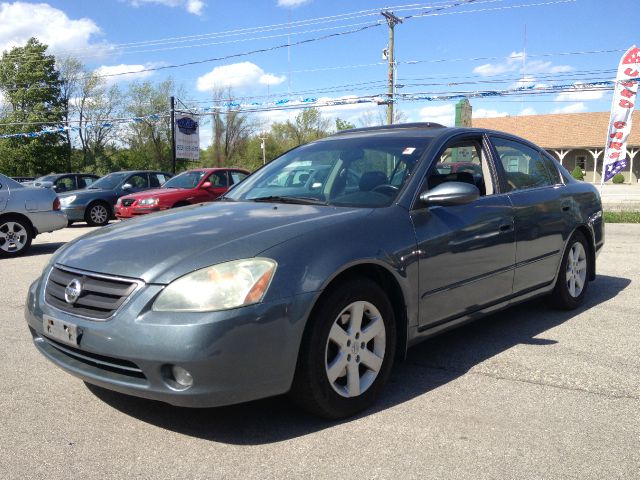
(62, 331)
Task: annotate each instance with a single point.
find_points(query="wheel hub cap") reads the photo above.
(576, 270)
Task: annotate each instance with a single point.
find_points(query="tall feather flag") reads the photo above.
(624, 100)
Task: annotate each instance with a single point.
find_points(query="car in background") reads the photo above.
(318, 293)
(23, 179)
(190, 187)
(95, 203)
(24, 213)
(65, 182)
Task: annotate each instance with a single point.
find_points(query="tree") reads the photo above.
(372, 118)
(150, 139)
(309, 125)
(31, 87)
(343, 125)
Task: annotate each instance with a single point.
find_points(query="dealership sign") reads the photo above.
(624, 100)
(187, 137)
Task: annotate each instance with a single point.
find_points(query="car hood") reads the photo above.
(84, 193)
(156, 192)
(161, 247)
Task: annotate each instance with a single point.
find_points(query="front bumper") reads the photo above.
(74, 213)
(130, 212)
(233, 356)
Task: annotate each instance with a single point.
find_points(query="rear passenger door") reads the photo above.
(542, 218)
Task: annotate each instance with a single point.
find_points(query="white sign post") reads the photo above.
(187, 137)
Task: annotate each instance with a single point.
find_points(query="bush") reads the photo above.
(577, 173)
(618, 178)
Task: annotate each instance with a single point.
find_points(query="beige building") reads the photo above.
(573, 138)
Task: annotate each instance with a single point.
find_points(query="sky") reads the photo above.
(442, 48)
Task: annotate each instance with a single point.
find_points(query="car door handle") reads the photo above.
(505, 227)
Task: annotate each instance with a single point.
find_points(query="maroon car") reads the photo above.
(193, 186)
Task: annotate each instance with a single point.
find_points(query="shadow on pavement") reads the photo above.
(429, 365)
(42, 249)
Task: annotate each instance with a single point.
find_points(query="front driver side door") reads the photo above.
(467, 252)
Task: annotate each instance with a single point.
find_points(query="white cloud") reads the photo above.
(485, 113)
(514, 63)
(578, 95)
(112, 73)
(573, 108)
(238, 76)
(442, 114)
(527, 111)
(19, 21)
(192, 6)
(291, 3)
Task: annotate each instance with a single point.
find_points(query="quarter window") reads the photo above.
(524, 166)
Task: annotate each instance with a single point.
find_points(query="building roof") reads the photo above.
(566, 130)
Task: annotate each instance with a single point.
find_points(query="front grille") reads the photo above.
(110, 364)
(100, 296)
(127, 202)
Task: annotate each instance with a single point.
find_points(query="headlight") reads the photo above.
(65, 201)
(219, 287)
(147, 202)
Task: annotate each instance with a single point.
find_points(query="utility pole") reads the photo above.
(173, 135)
(263, 147)
(392, 21)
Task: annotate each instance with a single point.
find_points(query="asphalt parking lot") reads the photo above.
(527, 393)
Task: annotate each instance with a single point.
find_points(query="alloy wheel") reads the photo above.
(98, 214)
(13, 237)
(576, 269)
(355, 349)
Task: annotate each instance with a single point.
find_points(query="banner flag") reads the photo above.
(624, 100)
(187, 137)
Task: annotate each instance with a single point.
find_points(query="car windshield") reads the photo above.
(365, 171)
(189, 179)
(108, 182)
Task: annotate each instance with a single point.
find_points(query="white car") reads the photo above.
(24, 213)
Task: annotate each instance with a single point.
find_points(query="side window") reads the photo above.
(86, 181)
(237, 177)
(523, 166)
(138, 181)
(218, 179)
(65, 184)
(552, 167)
(160, 178)
(462, 161)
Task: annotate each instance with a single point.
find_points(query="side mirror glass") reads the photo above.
(450, 194)
(127, 186)
(206, 185)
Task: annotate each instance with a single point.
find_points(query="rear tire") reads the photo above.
(97, 214)
(573, 277)
(347, 350)
(15, 236)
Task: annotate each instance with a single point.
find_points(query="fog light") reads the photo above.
(181, 376)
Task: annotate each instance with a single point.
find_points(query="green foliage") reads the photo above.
(577, 173)
(31, 87)
(343, 125)
(622, 217)
(618, 178)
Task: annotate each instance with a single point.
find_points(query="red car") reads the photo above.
(193, 186)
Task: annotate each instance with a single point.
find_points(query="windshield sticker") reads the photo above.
(408, 151)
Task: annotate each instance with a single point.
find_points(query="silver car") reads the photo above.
(24, 213)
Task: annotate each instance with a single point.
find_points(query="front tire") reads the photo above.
(347, 352)
(573, 277)
(97, 214)
(15, 236)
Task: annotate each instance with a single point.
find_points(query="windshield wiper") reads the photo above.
(298, 200)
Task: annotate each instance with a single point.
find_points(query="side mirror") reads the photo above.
(450, 194)
(206, 185)
(127, 186)
(46, 185)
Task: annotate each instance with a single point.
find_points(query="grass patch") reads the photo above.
(622, 217)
